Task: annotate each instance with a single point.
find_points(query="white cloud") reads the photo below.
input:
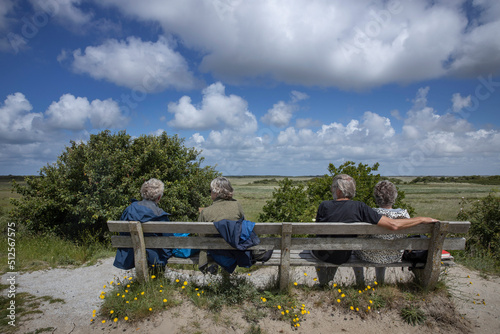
(72, 113)
(217, 111)
(143, 66)
(460, 102)
(17, 122)
(279, 115)
(331, 43)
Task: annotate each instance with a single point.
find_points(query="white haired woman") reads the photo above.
(144, 211)
(385, 193)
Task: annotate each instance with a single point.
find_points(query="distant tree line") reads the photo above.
(477, 179)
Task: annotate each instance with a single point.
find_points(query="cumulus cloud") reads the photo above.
(17, 122)
(281, 113)
(216, 111)
(143, 66)
(332, 43)
(72, 113)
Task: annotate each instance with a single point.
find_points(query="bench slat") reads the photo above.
(275, 228)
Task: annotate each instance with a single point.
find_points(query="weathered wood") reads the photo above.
(137, 238)
(284, 268)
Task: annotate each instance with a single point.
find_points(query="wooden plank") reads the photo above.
(137, 238)
(275, 228)
(296, 244)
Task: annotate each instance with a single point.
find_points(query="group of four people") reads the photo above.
(341, 209)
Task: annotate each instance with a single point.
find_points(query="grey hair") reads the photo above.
(152, 189)
(345, 184)
(222, 188)
(385, 193)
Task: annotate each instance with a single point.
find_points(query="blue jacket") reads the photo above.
(143, 211)
(240, 235)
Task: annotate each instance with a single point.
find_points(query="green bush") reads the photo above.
(93, 182)
(484, 233)
(299, 203)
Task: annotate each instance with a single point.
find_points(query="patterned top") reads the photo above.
(384, 256)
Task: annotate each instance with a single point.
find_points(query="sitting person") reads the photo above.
(144, 211)
(385, 193)
(227, 215)
(343, 209)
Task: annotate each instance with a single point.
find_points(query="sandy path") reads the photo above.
(475, 297)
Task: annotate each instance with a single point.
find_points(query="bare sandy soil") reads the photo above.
(474, 306)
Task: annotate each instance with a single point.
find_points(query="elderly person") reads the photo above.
(343, 209)
(385, 193)
(223, 206)
(144, 211)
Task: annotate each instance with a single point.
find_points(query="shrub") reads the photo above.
(93, 182)
(484, 215)
(299, 203)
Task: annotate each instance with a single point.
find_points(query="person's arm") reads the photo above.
(399, 224)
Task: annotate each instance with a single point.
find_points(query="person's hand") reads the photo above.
(428, 220)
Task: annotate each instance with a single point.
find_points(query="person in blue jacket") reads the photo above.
(143, 211)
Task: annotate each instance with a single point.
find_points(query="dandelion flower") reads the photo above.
(338, 300)
(185, 283)
(279, 307)
(342, 295)
(369, 308)
(294, 283)
(198, 294)
(282, 312)
(153, 276)
(150, 309)
(126, 291)
(359, 291)
(142, 293)
(135, 298)
(128, 285)
(334, 285)
(130, 278)
(375, 283)
(287, 311)
(264, 300)
(104, 321)
(352, 308)
(339, 290)
(111, 312)
(315, 279)
(104, 286)
(196, 289)
(127, 302)
(248, 274)
(164, 300)
(123, 296)
(177, 280)
(298, 325)
(183, 287)
(357, 309)
(126, 318)
(115, 319)
(305, 274)
(368, 287)
(102, 297)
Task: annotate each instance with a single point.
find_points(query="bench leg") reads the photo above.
(429, 275)
(286, 241)
(140, 260)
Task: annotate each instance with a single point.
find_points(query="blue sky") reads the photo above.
(260, 87)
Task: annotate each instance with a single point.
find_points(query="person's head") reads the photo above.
(385, 193)
(152, 190)
(345, 184)
(221, 188)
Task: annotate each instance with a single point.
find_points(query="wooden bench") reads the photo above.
(290, 246)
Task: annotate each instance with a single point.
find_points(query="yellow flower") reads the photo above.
(342, 295)
(315, 279)
(115, 319)
(111, 282)
(102, 297)
(185, 283)
(338, 300)
(264, 300)
(368, 287)
(161, 290)
(123, 296)
(357, 309)
(130, 278)
(142, 293)
(117, 294)
(198, 294)
(104, 321)
(150, 309)
(177, 280)
(196, 289)
(339, 290)
(126, 318)
(164, 300)
(111, 312)
(183, 287)
(282, 313)
(128, 285)
(153, 276)
(286, 311)
(334, 285)
(371, 302)
(298, 325)
(359, 291)
(294, 283)
(375, 283)
(126, 291)
(369, 308)
(249, 274)
(352, 308)
(305, 274)
(104, 286)
(127, 302)
(135, 298)
(279, 307)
